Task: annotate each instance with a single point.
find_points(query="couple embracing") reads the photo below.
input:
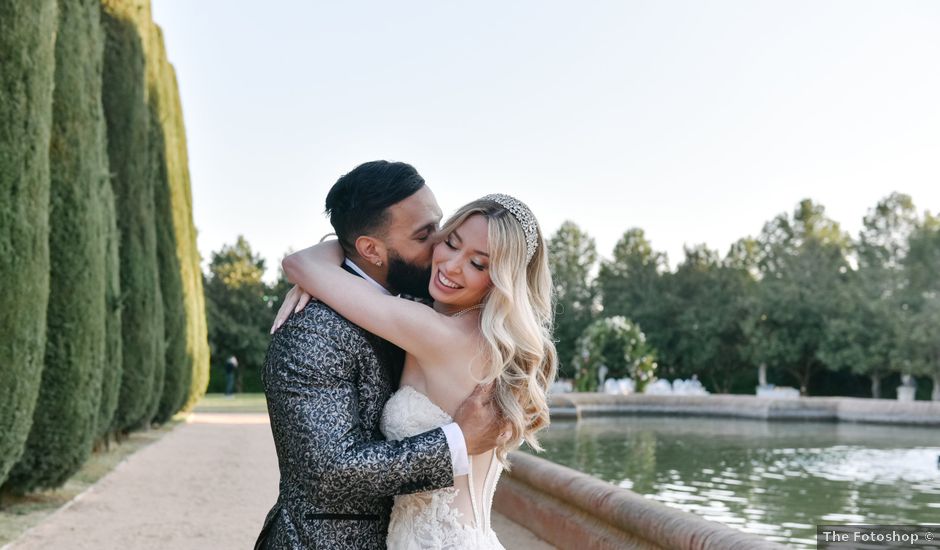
(392, 419)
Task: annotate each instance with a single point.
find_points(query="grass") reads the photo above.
(19, 513)
(240, 402)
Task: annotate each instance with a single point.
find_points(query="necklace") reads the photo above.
(465, 310)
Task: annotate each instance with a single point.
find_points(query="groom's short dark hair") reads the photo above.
(358, 202)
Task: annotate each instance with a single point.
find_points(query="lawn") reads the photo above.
(241, 402)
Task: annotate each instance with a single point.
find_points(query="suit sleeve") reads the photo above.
(311, 385)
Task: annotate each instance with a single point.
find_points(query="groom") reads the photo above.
(327, 381)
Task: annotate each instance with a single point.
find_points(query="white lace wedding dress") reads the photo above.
(455, 518)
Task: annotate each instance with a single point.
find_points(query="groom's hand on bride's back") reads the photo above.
(295, 300)
(480, 420)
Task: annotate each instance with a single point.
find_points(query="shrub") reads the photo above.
(65, 421)
(178, 363)
(128, 122)
(113, 369)
(26, 83)
(619, 345)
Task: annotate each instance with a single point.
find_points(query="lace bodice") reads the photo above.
(454, 518)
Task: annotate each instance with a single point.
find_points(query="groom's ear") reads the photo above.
(372, 250)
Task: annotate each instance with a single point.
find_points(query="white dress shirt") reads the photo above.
(455, 440)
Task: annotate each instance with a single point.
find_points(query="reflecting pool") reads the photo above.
(774, 479)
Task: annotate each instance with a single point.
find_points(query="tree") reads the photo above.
(177, 163)
(633, 284)
(861, 335)
(172, 226)
(619, 345)
(239, 313)
(921, 342)
(26, 83)
(111, 377)
(921, 319)
(802, 260)
(864, 335)
(65, 423)
(631, 276)
(128, 122)
(571, 256)
(785, 236)
(744, 255)
(198, 328)
(712, 301)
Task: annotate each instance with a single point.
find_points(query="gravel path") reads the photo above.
(207, 484)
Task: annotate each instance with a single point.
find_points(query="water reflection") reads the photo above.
(775, 479)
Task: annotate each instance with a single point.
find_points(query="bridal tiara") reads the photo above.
(524, 216)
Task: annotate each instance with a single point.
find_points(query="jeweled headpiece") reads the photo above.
(524, 216)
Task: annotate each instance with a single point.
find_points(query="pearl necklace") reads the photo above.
(465, 310)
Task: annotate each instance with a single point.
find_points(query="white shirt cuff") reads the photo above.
(458, 449)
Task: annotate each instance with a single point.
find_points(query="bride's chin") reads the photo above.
(438, 296)
(441, 300)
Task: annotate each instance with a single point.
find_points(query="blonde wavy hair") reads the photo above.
(516, 323)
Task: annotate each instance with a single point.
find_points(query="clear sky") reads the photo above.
(696, 121)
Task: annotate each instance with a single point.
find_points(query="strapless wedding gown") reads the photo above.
(434, 519)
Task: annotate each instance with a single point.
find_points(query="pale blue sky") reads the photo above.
(696, 121)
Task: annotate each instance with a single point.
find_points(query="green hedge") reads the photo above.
(27, 39)
(199, 331)
(111, 378)
(196, 379)
(159, 347)
(128, 120)
(178, 364)
(65, 421)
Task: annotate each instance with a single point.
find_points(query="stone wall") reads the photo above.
(833, 409)
(573, 510)
(570, 509)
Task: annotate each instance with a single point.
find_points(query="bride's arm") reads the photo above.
(413, 327)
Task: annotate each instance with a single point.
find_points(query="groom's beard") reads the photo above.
(408, 278)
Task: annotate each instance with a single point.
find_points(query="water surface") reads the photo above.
(774, 479)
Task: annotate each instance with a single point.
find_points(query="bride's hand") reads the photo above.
(295, 300)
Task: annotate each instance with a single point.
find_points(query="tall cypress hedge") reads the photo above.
(156, 171)
(111, 378)
(186, 332)
(171, 283)
(195, 294)
(200, 333)
(128, 122)
(27, 40)
(194, 380)
(197, 324)
(158, 340)
(65, 421)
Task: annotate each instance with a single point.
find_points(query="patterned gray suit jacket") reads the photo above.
(326, 382)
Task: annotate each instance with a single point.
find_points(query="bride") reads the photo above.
(490, 322)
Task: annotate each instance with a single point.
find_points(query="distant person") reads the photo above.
(231, 370)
